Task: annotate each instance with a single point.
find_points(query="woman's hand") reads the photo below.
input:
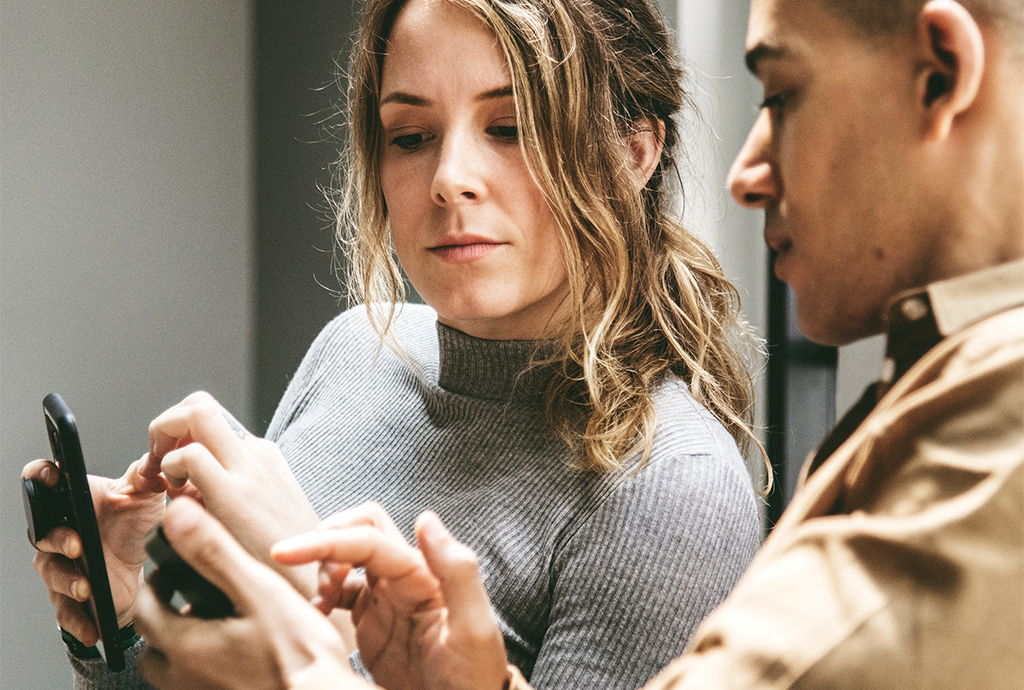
(422, 616)
(203, 452)
(126, 509)
(275, 640)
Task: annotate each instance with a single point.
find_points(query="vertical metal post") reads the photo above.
(801, 397)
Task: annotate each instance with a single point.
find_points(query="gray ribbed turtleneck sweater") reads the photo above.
(598, 581)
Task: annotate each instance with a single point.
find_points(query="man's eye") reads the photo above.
(505, 132)
(409, 142)
(774, 104)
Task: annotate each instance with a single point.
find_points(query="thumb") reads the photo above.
(207, 546)
(456, 567)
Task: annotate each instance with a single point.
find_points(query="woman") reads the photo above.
(569, 403)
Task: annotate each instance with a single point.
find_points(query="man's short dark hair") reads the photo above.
(883, 19)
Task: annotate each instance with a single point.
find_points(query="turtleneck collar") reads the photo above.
(490, 369)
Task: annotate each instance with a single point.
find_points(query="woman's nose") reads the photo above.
(457, 178)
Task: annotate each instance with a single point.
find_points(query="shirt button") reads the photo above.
(888, 370)
(914, 309)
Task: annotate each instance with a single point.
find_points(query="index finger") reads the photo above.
(201, 419)
(381, 555)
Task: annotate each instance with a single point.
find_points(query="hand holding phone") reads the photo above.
(70, 503)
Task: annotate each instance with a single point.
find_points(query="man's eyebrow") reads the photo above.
(404, 98)
(763, 51)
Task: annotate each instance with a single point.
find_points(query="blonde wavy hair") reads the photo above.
(646, 298)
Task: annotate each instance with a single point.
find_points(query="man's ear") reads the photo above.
(953, 63)
(646, 140)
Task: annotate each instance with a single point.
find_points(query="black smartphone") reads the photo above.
(173, 577)
(70, 503)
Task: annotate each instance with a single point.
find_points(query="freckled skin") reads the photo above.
(463, 178)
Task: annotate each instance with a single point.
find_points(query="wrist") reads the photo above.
(324, 675)
(127, 636)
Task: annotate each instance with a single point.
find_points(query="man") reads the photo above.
(889, 161)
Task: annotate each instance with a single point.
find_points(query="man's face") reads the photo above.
(832, 159)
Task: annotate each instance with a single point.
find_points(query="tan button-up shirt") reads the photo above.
(899, 562)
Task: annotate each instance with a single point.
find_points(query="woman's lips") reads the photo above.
(464, 250)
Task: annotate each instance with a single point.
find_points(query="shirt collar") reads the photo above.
(918, 319)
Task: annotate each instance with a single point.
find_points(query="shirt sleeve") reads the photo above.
(637, 576)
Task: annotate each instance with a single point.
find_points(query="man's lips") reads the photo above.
(777, 241)
(464, 249)
(780, 245)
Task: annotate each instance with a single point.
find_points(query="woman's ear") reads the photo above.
(953, 52)
(646, 140)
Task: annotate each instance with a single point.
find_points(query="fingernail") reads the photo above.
(432, 529)
(47, 475)
(81, 590)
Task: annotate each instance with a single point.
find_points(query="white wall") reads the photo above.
(711, 34)
(124, 246)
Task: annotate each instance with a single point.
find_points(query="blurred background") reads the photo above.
(163, 230)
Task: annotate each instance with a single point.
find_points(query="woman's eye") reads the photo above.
(410, 142)
(505, 132)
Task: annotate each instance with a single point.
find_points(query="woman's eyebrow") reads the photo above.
(404, 98)
(500, 92)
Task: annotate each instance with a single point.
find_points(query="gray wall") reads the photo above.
(298, 133)
(124, 246)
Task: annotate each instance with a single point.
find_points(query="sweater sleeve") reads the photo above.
(93, 674)
(638, 575)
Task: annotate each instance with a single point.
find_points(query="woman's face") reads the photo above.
(470, 225)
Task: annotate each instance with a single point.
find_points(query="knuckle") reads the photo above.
(205, 549)
(47, 566)
(39, 563)
(204, 409)
(198, 397)
(374, 512)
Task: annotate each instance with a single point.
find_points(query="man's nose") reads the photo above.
(752, 178)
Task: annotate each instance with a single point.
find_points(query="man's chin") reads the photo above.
(832, 327)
